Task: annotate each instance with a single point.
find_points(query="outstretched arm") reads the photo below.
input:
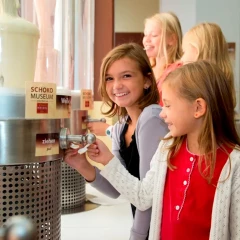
(91, 174)
(80, 163)
(139, 193)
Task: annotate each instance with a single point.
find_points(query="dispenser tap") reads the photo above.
(95, 120)
(66, 138)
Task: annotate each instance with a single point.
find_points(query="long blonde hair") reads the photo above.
(206, 80)
(170, 26)
(212, 46)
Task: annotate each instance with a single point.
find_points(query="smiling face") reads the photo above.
(178, 113)
(190, 51)
(125, 83)
(152, 38)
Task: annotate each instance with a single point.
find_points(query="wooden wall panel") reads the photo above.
(104, 37)
(125, 37)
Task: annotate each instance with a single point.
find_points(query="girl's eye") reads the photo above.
(126, 76)
(108, 79)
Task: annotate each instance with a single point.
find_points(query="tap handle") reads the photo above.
(66, 139)
(95, 120)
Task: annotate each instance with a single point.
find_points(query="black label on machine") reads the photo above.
(47, 144)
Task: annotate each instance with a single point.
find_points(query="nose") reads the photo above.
(146, 38)
(117, 84)
(162, 114)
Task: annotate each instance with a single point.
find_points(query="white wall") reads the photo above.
(184, 9)
(130, 14)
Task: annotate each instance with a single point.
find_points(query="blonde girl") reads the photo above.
(162, 41)
(208, 43)
(193, 184)
(205, 41)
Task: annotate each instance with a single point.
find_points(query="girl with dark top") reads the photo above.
(128, 88)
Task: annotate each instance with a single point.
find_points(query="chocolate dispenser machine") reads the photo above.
(38, 99)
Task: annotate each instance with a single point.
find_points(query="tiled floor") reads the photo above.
(109, 220)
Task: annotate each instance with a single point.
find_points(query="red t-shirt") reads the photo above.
(169, 69)
(188, 197)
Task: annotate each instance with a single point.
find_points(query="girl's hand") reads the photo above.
(74, 159)
(80, 163)
(99, 152)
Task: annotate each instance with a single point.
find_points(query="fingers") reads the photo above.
(93, 149)
(70, 153)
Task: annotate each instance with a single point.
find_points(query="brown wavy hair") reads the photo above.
(136, 53)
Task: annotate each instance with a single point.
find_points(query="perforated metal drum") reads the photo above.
(73, 188)
(30, 176)
(73, 184)
(33, 190)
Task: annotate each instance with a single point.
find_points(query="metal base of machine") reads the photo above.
(33, 190)
(73, 188)
(86, 206)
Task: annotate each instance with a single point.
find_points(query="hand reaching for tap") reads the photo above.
(80, 163)
(99, 152)
(74, 159)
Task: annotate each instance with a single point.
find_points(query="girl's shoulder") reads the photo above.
(119, 125)
(150, 115)
(151, 110)
(235, 156)
(169, 68)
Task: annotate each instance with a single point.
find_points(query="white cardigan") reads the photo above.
(148, 193)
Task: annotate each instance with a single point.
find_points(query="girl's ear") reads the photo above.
(171, 40)
(195, 51)
(200, 107)
(147, 82)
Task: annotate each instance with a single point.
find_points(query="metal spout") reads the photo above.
(66, 138)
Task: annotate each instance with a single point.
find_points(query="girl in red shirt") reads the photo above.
(193, 183)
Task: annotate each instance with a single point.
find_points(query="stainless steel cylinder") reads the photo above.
(30, 173)
(23, 141)
(33, 190)
(73, 184)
